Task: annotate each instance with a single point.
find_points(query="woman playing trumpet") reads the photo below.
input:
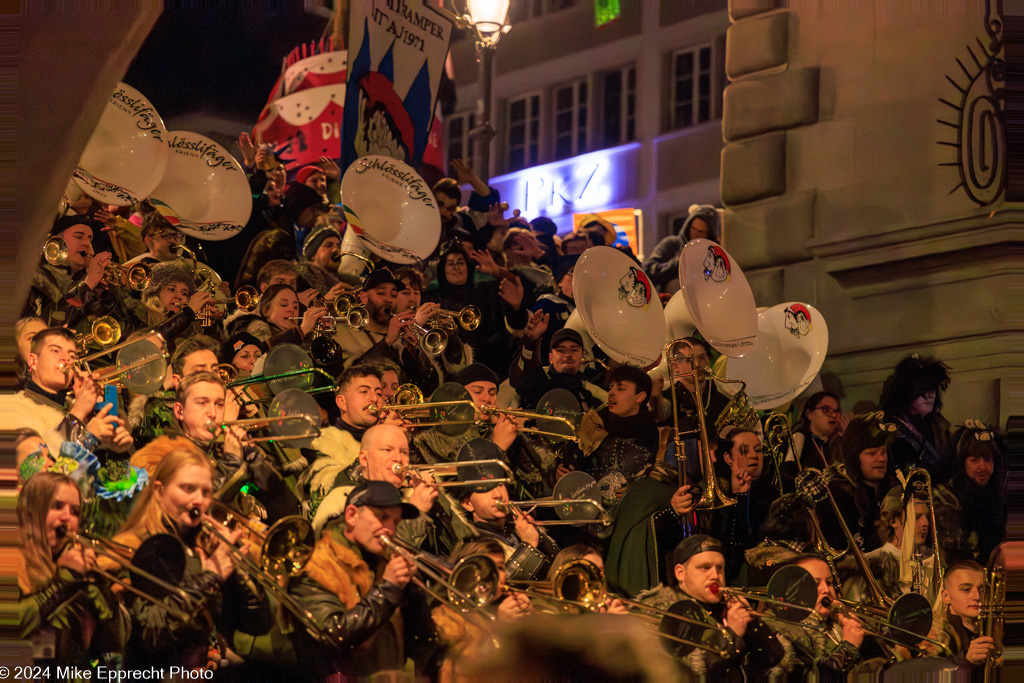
(174, 503)
(59, 597)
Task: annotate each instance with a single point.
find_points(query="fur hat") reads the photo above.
(909, 379)
(864, 432)
(163, 275)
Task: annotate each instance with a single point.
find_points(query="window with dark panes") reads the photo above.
(459, 138)
(693, 85)
(523, 132)
(619, 110)
(571, 119)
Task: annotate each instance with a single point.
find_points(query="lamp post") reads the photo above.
(489, 21)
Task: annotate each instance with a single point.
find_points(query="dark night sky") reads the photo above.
(218, 61)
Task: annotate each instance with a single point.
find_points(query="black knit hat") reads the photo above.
(476, 372)
(563, 265)
(236, 343)
(315, 239)
(65, 222)
(298, 198)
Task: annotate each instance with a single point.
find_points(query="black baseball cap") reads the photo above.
(693, 545)
(381, 494)
(566, 334)
(380, 277)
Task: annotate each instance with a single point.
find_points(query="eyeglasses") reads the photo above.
(171, 236)
(827, 411)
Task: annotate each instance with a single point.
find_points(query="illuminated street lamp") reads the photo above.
(489, 21)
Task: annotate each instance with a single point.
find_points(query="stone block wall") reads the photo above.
(864, 172)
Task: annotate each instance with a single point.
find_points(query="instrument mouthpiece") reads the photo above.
(715, 588)
(61, 531)
(194, 513)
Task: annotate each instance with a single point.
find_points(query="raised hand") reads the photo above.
(248, 150)
(537, 325)
(512, 293)
(330, 169)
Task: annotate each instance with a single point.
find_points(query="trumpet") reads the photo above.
(136, 276)
(287, 547)
(105, 331)
(432, 341)
(122, 555)
(451, 469)
(245, 299)
(513, 508)
(337, 306)
(259, 422)
(468, 318)
(228, 373)
(554, 435)
(712, 497)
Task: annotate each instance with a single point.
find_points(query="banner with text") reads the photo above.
(397, 51)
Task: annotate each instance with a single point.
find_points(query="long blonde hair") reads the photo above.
(148, 515)
(33, 505)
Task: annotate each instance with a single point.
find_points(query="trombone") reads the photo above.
(712, 497)
(287, 547)
(451, 469)
(813, 484)
(152, 336)
(259, 422)
(436, 571)
(122, 555)
(580, 583)
(257, 379)
(907, 622)
(113, 374)
(558, 436)
(404, 411)
(514, 508)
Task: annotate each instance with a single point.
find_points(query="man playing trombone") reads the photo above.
(203, 417)
(829, 639)
(354, 589)
(699, 573)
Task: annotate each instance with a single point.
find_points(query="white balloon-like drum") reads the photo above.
(204, 187)
(792, 343)
(391, 208)
(127, 154)
(619, 306)
(719, 297)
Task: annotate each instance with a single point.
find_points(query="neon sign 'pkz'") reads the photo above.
(588, 181)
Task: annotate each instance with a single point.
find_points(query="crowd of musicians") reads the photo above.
(171, 525)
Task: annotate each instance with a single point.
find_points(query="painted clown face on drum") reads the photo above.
(634, 288)
(699, 573)
(715, 267)
(354, 400)
(962, 590)
(819, 571)
(189, 488)
(482, 506)
(797, 322)
(384, 447)
(201, 410)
